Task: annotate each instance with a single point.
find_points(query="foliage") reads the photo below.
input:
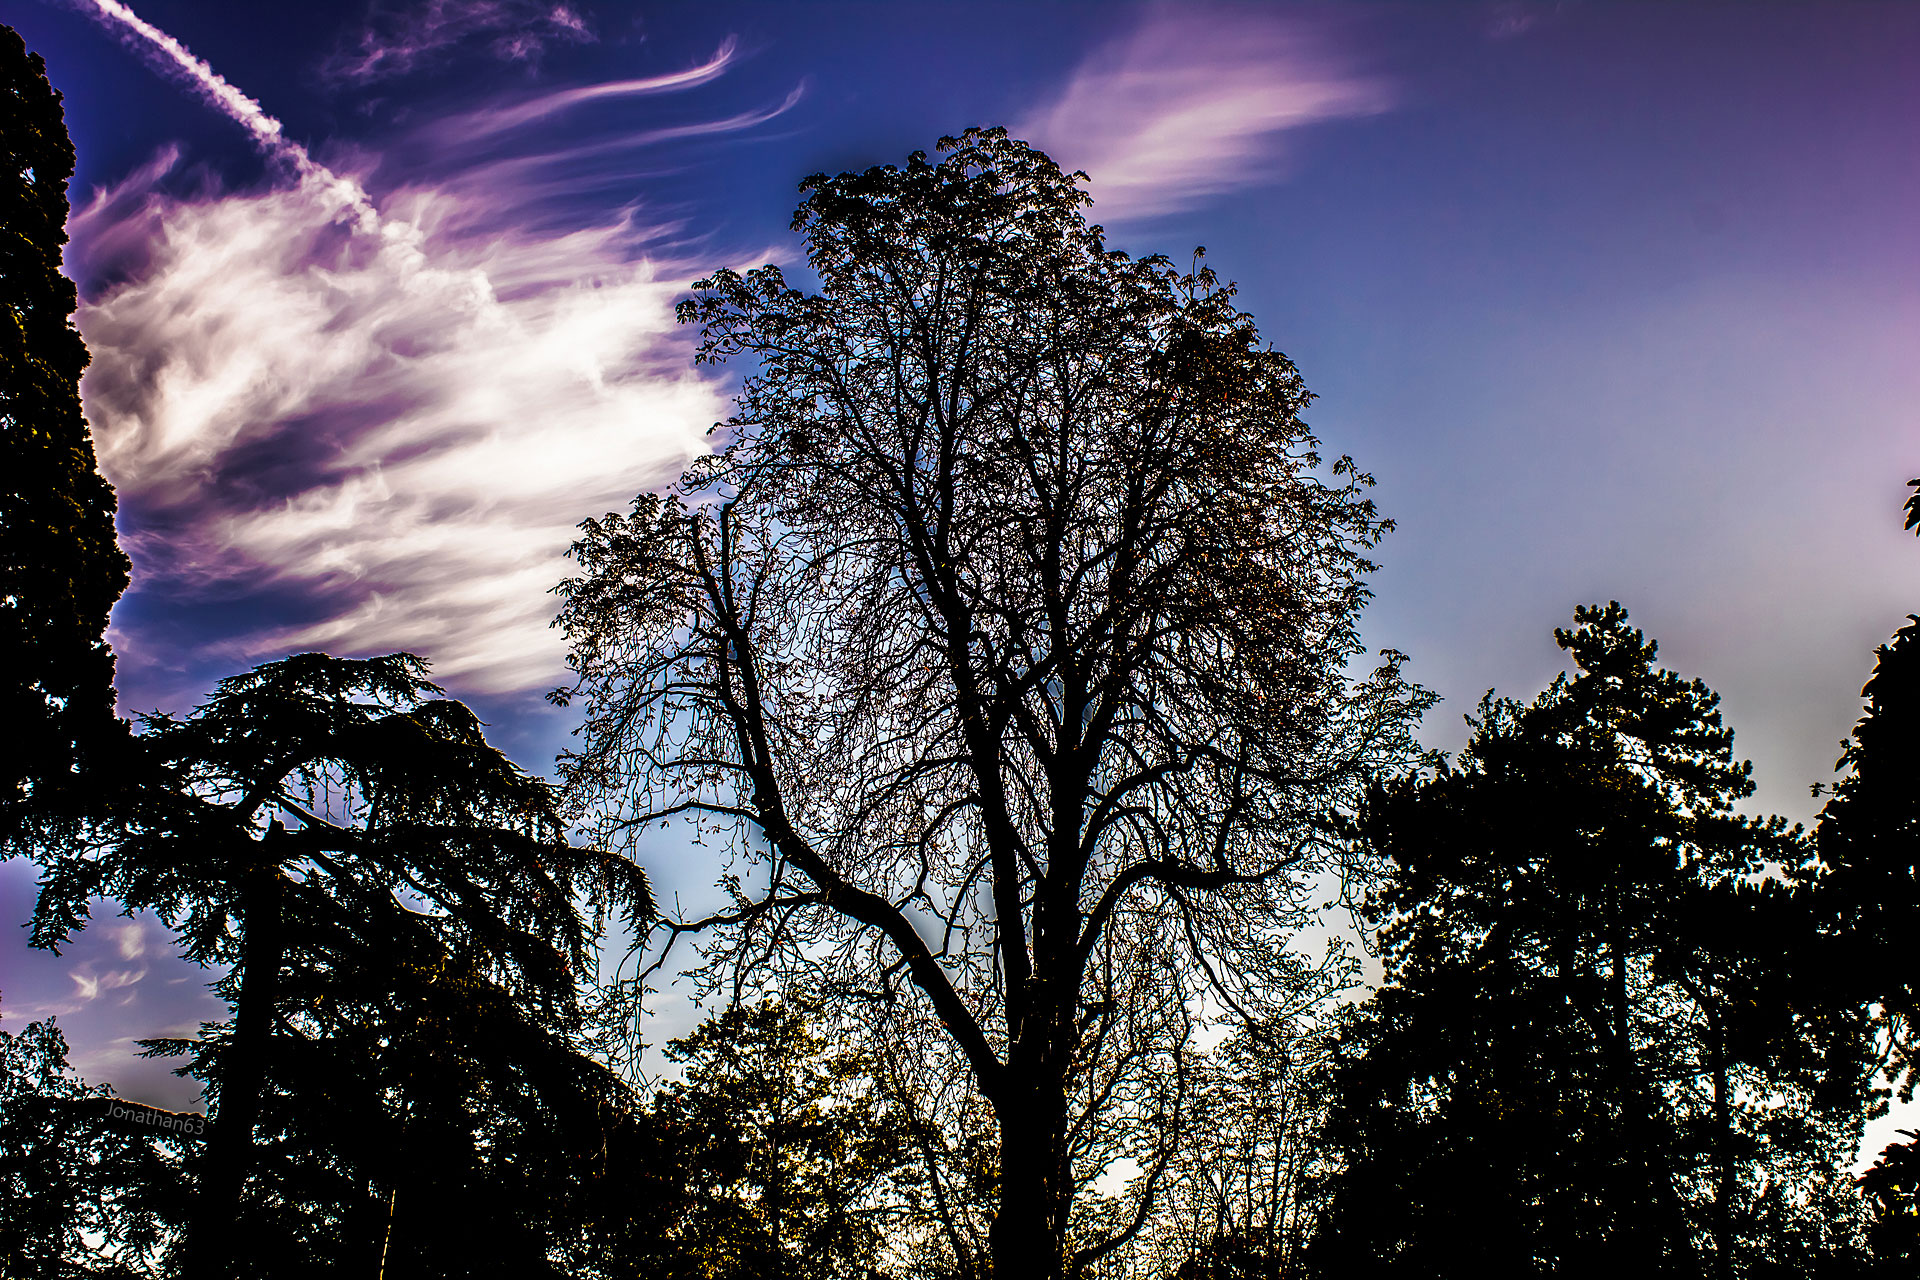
(60, 568)
(1892, 1187)
(411, 949)
(1868, 889)
(1594, 1047)
(795, 1164)
(77, 1197)
(1868, 838)
(1007, 646)
(1240, 1198)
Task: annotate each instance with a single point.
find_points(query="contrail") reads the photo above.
(236, 106)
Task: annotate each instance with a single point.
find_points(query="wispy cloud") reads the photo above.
(1197, 101)
(131, 939)
(391, 409)
(1509, 19)
(495, 119)
(399, 39)
(90, 985)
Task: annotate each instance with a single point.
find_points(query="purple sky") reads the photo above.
(1617, 301)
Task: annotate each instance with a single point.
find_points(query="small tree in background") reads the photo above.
(77, 1196)
(60, 568)
(1240, 1197)
(795, 1162)
(1597, 1045)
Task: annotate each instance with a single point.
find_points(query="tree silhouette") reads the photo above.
(60, 568)
(1892, 1186)
(408, 1087)
(1868, 888)
(1593, 1050)
(77, 1196)
(794, 1161)
(1008, 643)
(424, 889)
(1868, 838)
(1240, 1204)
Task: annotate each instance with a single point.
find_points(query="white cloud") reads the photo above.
(90, 984)
(1196, 102)
(132, 939)
(495, 119)
(401, 417)
(394, 411)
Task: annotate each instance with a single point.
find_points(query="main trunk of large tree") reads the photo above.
(214, 1240)
(1028, 1236)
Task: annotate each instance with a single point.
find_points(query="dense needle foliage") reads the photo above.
(1596, 1046)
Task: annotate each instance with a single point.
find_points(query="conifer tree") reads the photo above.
(60, 568)
(367, 865)
(1868, 887)
(1595, 1048)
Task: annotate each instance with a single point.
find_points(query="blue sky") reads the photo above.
(1616, 301)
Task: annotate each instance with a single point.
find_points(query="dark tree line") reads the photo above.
(770, 1158)
(1008, 640)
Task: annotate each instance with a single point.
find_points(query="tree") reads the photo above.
(60, 568)
(1240, 1199)
(408, 1086)
(1892, 1186)
(1868, 887)
(1008, 644)
(370, 869)
(1868, 838)
(795, 1162)
(77, 1197)
(1596, 1047)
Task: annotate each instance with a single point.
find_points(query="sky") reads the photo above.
(1616, 301)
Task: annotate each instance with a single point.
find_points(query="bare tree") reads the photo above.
(1239, 1197)
(1008, 643)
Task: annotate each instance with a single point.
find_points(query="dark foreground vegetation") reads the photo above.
(1003, 661)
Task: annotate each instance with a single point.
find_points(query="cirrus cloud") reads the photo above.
(1196, 102)
(402, 422)
(396, 40)
(367, 419)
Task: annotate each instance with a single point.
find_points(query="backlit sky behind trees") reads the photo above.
(1616, 301)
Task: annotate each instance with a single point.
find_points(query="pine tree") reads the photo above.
(1868, 887)
(1594, 1048)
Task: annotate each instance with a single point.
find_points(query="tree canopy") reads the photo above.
(378, 878)
(1594, 1047)
(1867, 886)
(77, 1196)
(1008, 640)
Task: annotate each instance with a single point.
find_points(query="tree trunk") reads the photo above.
(1718, 1070)
(1028, 1235)
(1723, 1142)
(216, 1225)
